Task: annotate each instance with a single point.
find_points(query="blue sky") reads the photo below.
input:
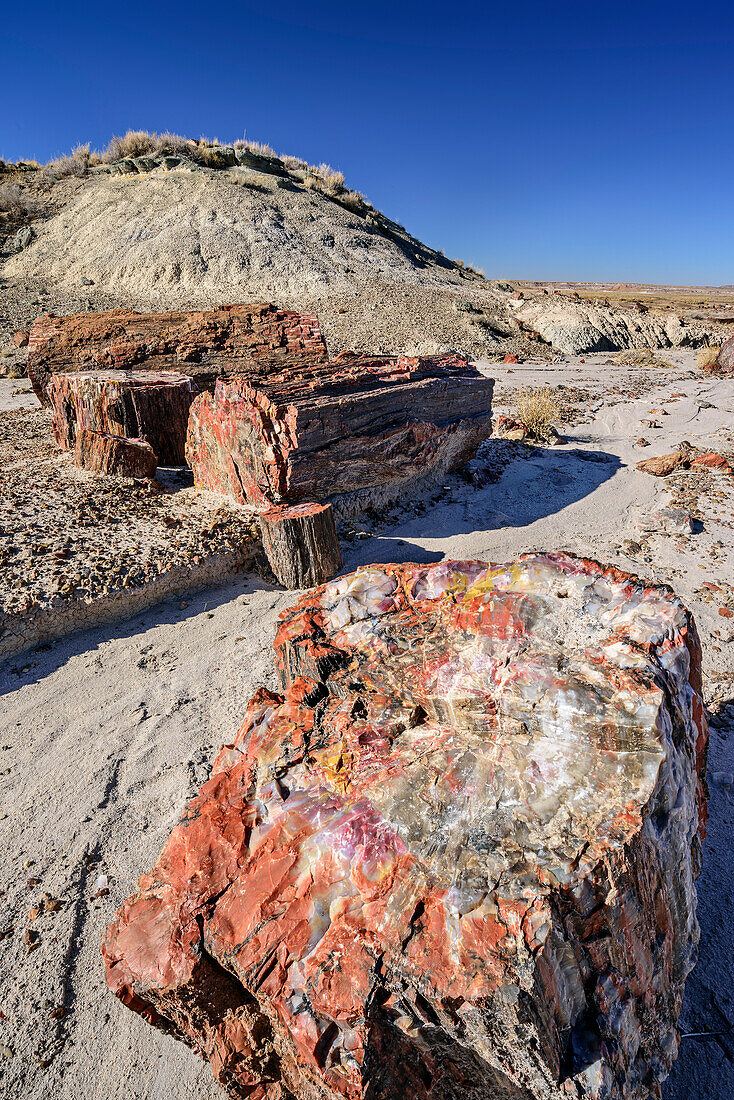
(537, 140)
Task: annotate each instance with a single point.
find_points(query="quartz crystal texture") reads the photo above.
(454, 858)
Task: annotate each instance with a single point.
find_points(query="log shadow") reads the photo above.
(523, 484)
(37, 662)
(705, 1064)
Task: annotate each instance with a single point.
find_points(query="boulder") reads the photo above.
(725, 361)
(20, 339)
(148, 405)
(205, 344)
(455, 857)
(20, 240)
(114, 454)
(359, 427)
(663, 465)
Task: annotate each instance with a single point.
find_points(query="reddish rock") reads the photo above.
(20, 339)
(725, 359)
(510, 358)
(456, 857)
(114, 454)
(664, 464)
(712, 461)
(507, 427)
(360, 425)
(148, 405)
(205, 344)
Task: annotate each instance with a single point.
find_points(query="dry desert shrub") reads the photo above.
(538, 409)
(140, 143)
(75, 163)
(16, 201)
(708, 357)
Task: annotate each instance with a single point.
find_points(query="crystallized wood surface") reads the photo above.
(203, 344)
(455, 858)
(114, 454)
(354, 425)
(301, 544)
(150, 405)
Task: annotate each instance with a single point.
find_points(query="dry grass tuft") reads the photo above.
(708, 357)
(140, 143)
(538, 409)
(75, 163)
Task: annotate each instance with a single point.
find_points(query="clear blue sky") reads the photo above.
(541, 139)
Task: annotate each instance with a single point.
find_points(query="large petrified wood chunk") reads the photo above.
(301, 544)
(149, 405)
(204, 343)
(358, 424)
(114, 454)
(456, 858)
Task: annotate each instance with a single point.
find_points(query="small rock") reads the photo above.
(86, 281)
(20, 339)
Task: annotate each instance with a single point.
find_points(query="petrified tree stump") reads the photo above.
(455, 858)
(148, 405)
(301, 544)
(114, 454)
(358, 425)
(205, 344)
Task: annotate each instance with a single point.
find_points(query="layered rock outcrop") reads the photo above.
(359, 425)
(204, 344)
(578, 326)
(454, 858)
(148, 405)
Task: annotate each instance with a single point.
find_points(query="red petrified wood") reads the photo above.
(114, 454)
(301, 544)
(149, 405)
(204, 344)
(357, 425)
(455, 858)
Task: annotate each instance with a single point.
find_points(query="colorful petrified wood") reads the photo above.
(149, 405)
(455, 858)
(114, 454)
(301, 544)
(358, 424)
(204, 344)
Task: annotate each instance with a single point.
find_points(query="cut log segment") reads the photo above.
(455, 858)
(149, 405)
(301, 544)
(358, 425)
(114, 454)
(205, 344)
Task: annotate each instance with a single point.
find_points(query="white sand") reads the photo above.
(106, 735)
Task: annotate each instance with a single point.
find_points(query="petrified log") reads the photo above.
(114, 454)
(663, 465)
(455, 858)
(725, 358)
(301, 544)
(205, 344)
(149, 405)
(351, 426)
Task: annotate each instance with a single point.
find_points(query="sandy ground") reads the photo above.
(106, 734)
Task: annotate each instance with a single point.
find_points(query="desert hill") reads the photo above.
(214, 224)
